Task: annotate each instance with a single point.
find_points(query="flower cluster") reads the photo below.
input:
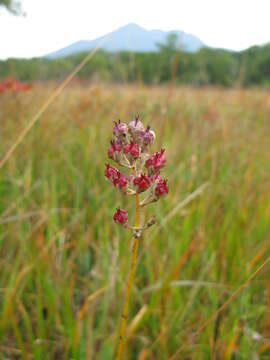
(14, 85)
(130, 149)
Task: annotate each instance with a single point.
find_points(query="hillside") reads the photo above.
(131, 37)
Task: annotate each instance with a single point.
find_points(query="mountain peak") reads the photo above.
(131, 37)
(132, 26)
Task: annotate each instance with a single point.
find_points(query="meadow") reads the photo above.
(64, 263)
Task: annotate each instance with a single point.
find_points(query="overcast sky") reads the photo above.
(53, 24)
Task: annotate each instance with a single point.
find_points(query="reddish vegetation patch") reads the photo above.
(14, 85)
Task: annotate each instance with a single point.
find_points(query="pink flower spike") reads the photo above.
(141, 183)
(120, 216)
(161, 188)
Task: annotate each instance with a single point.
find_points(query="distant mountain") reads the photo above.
(131, 37)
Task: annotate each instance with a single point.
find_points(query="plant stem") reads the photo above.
(121, 343)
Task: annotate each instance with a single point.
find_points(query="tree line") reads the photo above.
(205, 67)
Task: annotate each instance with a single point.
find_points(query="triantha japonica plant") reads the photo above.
(130, 149)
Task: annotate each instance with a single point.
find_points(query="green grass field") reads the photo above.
(64, 263)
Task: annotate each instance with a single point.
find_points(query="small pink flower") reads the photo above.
(136, 129)
(141, 183)
(120, 216)
(135, 125)
(132, 149)
(120, 130)
(156, 161)
(148, 136)
(114, 148)
(161, 188)
(120, 181)
(111, 172)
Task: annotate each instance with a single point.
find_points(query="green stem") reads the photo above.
(122, 339)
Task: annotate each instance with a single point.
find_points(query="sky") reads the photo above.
(52, 24)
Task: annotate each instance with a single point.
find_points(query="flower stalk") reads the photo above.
(122, 339)
(130, 149)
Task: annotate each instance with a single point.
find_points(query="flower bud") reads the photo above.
(136, 130)
(132, 149)
(161, 188)
(114, 150)
(141, 183)
(148, 136)
(111, 172)
(120, 181)
(120, 131)
(156, 162)
(120, 216)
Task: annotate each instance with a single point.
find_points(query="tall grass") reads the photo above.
(64, 267)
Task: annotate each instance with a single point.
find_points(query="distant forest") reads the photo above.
(205, 67)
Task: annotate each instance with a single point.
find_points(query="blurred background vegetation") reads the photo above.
(64, 264)
(208, 66)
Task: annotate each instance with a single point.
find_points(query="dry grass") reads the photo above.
(63, 263)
